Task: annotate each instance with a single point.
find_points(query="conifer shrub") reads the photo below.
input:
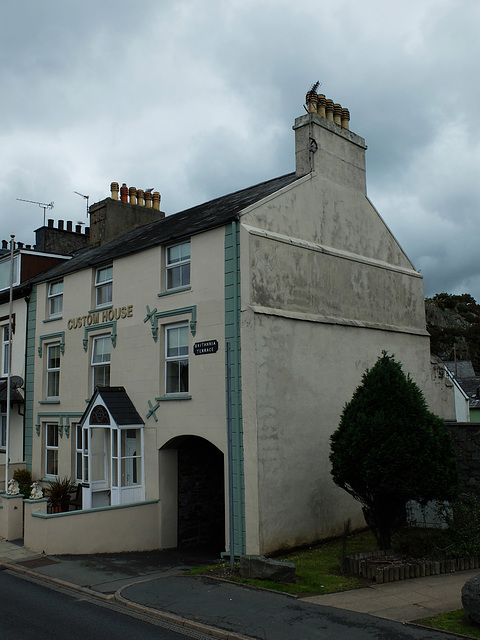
(389, 449)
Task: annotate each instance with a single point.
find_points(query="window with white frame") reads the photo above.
(3, 430)
(103, 286)
(51, 449)
(176, 358)
(55, 299)
(53, 370)
(5, 349)
(178, 265)
(101, 349)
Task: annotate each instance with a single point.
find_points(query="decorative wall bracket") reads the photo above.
(152, 411)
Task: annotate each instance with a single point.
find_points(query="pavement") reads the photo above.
(155, 582)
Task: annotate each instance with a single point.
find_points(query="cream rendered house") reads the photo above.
(201, 360)
(27, 262)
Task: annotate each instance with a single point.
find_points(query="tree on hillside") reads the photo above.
(389, 448)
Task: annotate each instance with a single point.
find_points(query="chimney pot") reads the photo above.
(114, 190)
(50, 223)
(132, 193)
(4, 244)
(140, 197)
(337, 113)
(69, 225)
(78, 228)
(156, 200)
(345, 118)
(20, 245)
(60, 225)
(148, 199)
(311, 99)
(124, 193)
(329, 109)
(321, 105)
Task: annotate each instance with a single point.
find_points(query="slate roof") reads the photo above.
(118, 403)
(184, 224)
(471, 386)
(464, 368)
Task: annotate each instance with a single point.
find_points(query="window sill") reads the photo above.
(52, 319)
(105, 307)
(174, 396)
(177, 290)
(49, 401)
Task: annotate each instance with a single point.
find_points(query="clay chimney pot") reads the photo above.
(124, 193)
(329, 109)
(156, 200)
(345, 118)
(132, 192)
(321, 105)
(114, 190)
(337, 113)
(140, 197)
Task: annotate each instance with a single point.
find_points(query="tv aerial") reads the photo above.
(86, 198)
(40, 204)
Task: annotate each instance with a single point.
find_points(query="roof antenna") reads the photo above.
(86, 198)
(40, 204)
(313, 89)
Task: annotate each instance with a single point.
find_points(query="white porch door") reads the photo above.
(96, 467)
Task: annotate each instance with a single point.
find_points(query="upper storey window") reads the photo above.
(103, 286)
(55, 299)
(178, 265)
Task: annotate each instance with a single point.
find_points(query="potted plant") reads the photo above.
(58, 492)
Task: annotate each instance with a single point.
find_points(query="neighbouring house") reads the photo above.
(200, 361)
(28, 262)
(462, 371)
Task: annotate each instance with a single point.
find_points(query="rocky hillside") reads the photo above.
(454, 320)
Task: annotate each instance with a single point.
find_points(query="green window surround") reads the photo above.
(99, 327)
(52, 336)
(154, 316)
(62, 418)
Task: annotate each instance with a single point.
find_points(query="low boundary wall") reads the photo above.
(130, 527)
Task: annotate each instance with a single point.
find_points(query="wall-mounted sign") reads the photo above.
(96, 317)
(209, 346)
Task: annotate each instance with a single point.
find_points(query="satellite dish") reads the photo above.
(16, 382)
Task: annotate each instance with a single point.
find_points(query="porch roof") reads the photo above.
(119, 405)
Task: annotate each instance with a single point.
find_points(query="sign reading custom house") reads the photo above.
(97, 317)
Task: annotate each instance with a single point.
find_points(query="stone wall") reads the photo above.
(466, 438)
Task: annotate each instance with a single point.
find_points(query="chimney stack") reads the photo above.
(325, 144)
(112, 217)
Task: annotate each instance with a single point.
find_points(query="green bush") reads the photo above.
(389, 449)
(24, 479)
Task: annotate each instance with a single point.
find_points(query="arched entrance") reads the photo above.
(200, 491)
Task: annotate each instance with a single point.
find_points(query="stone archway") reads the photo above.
(200, 493)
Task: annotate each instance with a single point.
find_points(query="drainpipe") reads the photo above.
(230, 457)
(9, 364)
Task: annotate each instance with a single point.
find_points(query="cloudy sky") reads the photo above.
(196, 98)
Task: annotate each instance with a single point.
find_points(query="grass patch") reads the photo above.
(317, 567)
(453, 621)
